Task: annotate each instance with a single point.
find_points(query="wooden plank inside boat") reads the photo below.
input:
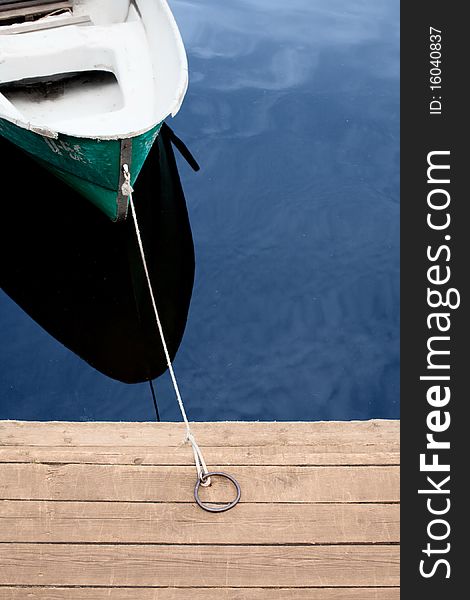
(17, 10)
(112, 503)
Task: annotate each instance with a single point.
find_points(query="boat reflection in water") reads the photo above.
(80, 276)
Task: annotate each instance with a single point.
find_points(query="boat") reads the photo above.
(85, 86)
(92, 297)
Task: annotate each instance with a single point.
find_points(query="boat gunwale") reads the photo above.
(180, 93)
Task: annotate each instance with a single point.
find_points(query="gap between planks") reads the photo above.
(296, 456)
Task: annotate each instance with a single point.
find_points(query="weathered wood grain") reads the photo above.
(198, 566)
(183, 455)
(12, 11)
(9, 593)
(124, 522)
(175, 484)
(326, 437)
(90, 511)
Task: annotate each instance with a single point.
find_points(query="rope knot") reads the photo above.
(126, 187)
(201, 466)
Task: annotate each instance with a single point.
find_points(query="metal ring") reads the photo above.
(224, 507)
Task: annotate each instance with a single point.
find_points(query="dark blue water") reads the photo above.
(293, 113)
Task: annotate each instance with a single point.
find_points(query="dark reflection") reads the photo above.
(80, 276)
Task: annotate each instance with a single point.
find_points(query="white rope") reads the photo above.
(201, 466)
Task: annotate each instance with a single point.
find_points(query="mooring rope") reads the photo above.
(201, 466)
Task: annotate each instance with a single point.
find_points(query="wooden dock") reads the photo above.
(90, 511)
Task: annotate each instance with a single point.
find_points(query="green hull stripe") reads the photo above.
(92, 167)
(104, 198)
(88, 159)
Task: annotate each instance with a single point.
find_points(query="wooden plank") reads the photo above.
(198, 566)
(99, 510)
(42, 25)
(9, 12)
(183, 455)
(356, 437)
(319, 444)
(376, 593)
(175, 484)
(27, 3)
(140, 523)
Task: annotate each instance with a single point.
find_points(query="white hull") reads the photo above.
(111, 69)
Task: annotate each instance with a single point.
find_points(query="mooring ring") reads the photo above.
(223, 507)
